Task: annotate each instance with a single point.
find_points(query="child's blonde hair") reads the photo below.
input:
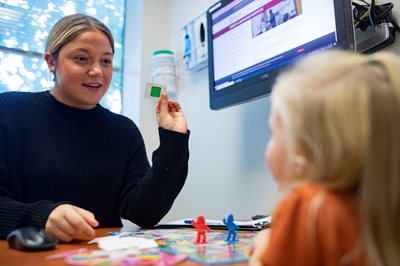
(341, 115)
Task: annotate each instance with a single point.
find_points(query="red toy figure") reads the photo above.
(201, 228)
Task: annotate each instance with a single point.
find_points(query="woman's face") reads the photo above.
(83, 70)
(275, 153)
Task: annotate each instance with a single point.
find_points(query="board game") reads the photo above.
(171, 246)
(215, 251)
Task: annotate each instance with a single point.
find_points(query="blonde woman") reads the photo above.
(66, 163)
(335, 150)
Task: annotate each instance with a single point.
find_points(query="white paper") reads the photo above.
(119, 242)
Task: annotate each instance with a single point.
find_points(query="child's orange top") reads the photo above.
(332, 237)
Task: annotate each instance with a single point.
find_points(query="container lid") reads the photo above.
(163, 52)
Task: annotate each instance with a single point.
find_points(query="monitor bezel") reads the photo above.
(261, 85)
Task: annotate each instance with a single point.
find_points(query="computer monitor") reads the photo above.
(251, 41)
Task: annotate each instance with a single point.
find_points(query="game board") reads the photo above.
(148, 257)
(216, 251)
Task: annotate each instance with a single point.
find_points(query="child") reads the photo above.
(335, 148)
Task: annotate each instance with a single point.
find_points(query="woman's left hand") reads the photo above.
(170, 115)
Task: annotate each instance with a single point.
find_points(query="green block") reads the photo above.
(155, 91)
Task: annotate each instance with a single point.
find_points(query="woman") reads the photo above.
(66, 163)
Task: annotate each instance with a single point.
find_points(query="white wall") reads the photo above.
(147, 30)
(227, 172)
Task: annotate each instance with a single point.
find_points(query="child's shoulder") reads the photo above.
(315, 221)
(312, 200)
(309, 196)
(307, 189)
(303, 193)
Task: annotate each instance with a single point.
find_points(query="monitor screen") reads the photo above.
(250, 41)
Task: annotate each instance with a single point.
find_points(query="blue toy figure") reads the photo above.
(231, 227)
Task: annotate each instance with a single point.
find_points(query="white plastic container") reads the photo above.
(164, 70)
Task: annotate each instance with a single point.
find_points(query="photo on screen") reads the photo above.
(274, 14)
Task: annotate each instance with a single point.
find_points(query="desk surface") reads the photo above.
(11, 257)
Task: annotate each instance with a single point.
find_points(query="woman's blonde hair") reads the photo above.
(67, 28)
(341, 115)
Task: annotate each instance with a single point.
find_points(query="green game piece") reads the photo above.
(155, 91)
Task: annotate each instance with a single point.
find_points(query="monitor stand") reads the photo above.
(374, 38)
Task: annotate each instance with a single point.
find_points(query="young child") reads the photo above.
(335, 149)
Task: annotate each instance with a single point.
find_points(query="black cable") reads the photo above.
(371, 14)
(360, 12)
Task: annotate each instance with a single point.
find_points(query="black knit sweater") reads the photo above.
(52, 154)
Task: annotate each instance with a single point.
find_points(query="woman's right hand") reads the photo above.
(67, 222)
(170, 115)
